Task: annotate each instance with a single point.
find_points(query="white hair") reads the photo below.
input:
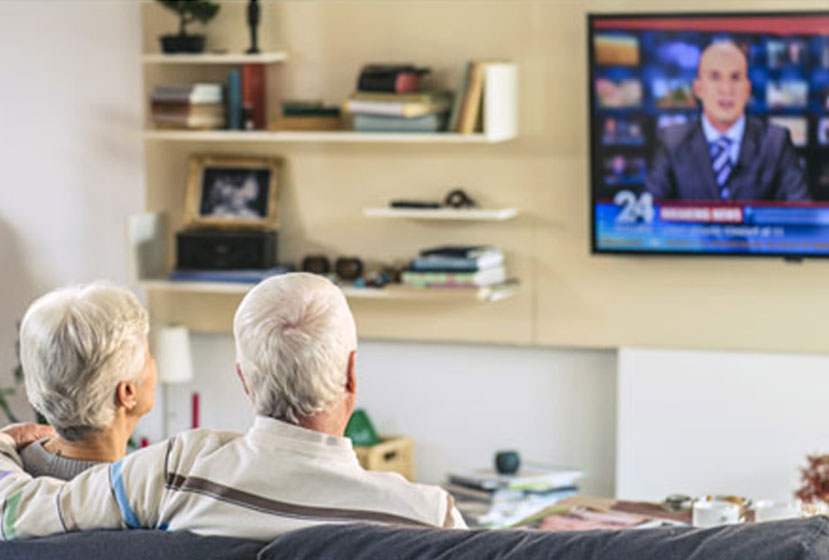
(76, 345)
(294, 334)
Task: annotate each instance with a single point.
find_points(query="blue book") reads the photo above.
(234, 100)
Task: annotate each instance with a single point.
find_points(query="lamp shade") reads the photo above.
(170, 345)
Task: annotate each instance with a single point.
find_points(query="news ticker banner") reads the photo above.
(640, 224)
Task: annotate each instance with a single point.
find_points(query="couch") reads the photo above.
(801, 539)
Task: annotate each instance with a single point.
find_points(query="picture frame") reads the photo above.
(232, 192)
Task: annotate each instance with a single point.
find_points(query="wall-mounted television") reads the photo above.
(710, 133)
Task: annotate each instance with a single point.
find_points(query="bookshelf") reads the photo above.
(462, 214)
(324, 186)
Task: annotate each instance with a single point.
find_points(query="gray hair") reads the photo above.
(294, 334)
(76, 345)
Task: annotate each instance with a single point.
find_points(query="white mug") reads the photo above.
(770, 510)
(710, 513)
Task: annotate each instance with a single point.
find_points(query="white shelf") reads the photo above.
(332, 136)
(484, 294)
(216, 58)
(478, 214)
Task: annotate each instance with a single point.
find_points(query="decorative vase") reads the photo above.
(507, 462)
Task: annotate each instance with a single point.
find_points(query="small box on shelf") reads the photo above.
(392, 454)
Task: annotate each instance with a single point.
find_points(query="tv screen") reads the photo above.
(710, 133)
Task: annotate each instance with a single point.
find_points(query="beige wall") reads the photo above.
(570, 298)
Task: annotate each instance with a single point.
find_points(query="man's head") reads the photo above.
(722, 84)
(295, 344)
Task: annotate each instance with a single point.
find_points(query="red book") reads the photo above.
(253, 96)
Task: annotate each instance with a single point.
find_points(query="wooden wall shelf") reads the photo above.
(216, 58)
(319, 137)
(483, 294)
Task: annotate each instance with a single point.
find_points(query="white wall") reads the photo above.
(72, 160)
(459, 403)
(718, 422)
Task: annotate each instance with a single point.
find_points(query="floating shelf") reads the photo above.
(332, 136)
(484, 294)
(216, 58)
(477, 214)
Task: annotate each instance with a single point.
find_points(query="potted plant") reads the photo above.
(188, 11)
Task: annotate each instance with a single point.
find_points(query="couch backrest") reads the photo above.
(798, 539)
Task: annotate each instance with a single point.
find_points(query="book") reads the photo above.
(246, 276)
(458, 99)
(234, 100)
(485, 277)
(528, 478)
(459, 251)
(188, 93)
(437, 102)
(382, 123)
(395, 78)
(473, 96)
(483, 260)
(253, 95)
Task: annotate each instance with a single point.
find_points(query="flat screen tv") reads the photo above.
(710, 133)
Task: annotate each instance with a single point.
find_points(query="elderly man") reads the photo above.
(725, 155)
(295, 347)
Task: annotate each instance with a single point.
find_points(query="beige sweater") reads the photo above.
(275, 478)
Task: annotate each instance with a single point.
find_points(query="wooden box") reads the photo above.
(392, 454)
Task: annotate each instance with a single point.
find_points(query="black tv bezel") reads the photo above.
(593, 148)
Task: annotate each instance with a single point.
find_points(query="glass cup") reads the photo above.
(773, 510)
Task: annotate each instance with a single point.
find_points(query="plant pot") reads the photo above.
(171, 44)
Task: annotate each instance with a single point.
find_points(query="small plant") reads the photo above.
(189, 11)
(815, 478)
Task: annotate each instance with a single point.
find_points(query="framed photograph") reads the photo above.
(233, 192)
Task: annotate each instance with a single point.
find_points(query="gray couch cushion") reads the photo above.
(806, 539)
(130, 545)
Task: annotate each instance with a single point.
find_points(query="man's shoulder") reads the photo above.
(200, 442)
(766, 131)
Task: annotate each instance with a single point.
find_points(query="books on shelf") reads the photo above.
(399, 104)
(468, 110)
(234, 100)
(198, 106)
(394, 78)
(306, 115)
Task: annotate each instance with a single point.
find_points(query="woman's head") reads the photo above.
(84, 354)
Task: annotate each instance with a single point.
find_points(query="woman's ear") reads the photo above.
(126, 395)
(242, 379)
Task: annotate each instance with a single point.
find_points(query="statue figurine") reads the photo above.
(253, 22)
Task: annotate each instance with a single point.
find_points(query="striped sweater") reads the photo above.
(275, 478)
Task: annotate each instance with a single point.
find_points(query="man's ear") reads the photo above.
(126, 394)
(351, 374)
(242, 379)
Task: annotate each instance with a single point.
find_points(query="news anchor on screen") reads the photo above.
(725, 155)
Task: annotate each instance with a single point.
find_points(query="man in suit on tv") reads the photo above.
(725, 155)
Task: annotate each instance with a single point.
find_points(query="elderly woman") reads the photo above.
(89, 371)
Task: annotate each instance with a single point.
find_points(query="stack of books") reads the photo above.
(246, 103)
(486, 498)
(456, 266)
(198, 106)
(389, 99)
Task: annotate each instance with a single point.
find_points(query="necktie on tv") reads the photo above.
(722, 164)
